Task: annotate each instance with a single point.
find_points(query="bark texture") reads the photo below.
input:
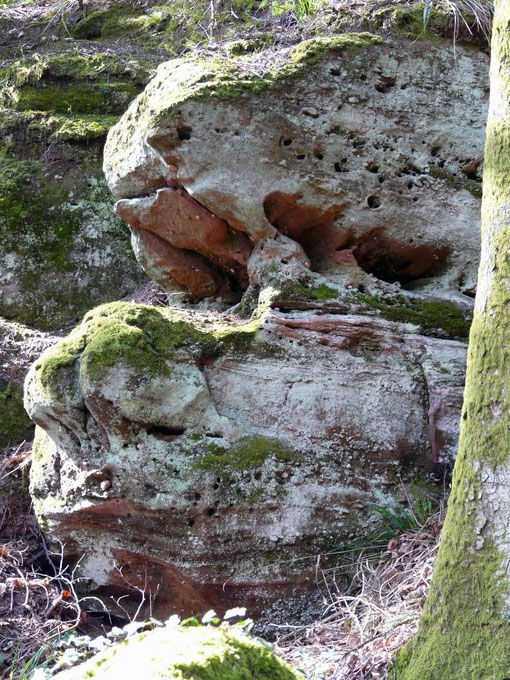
(465, 629)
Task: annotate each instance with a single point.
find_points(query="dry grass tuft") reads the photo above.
(363, 628)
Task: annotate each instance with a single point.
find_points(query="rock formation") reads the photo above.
(367, 154)
(62, 249)
(206, 457)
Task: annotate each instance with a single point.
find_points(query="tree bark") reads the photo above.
(464, 633)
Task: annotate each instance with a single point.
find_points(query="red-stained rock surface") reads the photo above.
(227, 474)
(197, 240)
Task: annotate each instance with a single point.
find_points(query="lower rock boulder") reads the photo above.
(177, 653)
(207, 460)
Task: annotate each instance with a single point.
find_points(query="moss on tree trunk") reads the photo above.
(464, 632)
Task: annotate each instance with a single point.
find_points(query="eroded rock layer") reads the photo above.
(210, 462)
(367, 154)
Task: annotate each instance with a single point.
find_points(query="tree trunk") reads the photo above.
(464, 633)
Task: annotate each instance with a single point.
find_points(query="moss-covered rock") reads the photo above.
(250, 452)
(55, 228)
(73, 84)
(142, 337)
(118, 21)
(197, 653)
(435, 317)
(15, 424)
(310, 51)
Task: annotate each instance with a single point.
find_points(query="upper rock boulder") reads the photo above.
(366, 154)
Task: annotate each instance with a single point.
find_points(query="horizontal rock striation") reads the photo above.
(210, 462)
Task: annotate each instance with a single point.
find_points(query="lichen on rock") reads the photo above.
(212, 427)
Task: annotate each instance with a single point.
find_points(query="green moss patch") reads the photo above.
(435, 317)
(102, 98)
(117, 21)
(251, 451)
(140, 336)
(457, 183)
(238, 48)
(194, 653)
(73, 84)
(74, 68)
(15, 424)
(295, 291)
(311, 51)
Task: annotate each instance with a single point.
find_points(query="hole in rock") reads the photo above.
(409, 169)
(373, 167)
(211, 511)
(318, 154)
(312, 228)
(435, 150)
(300, 156)
(287, 142)
(183, 131)
(385, 83)
(469, 292)
(191, 522)
(470, 169)
(165, 433)
(323, 241)
(335, 71)
(374, 201)
(395, 262)
(339, 167)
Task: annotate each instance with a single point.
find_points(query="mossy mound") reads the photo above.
(119, 21)
(435, 317)
(202, 653)
(142, 337)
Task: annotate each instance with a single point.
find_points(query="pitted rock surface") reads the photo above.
(368, 157)
(210, 462)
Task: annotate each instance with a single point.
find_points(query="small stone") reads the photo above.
(105, 484)
(313, 113)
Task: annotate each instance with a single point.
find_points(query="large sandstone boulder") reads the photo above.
(367, 154)
(209, 461)
(177, 653)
